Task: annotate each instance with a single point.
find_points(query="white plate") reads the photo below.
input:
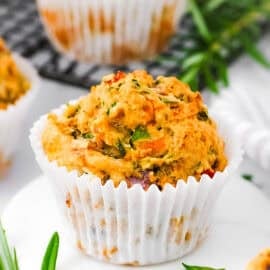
(241, 228)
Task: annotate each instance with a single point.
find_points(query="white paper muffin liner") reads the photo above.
(12, 119)
(110, 31)
(130, 225)
(250, 118)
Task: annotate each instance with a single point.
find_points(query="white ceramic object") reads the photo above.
(130, 225)
(240, 230)
(110, 31)
(12, 119)
(248, 112)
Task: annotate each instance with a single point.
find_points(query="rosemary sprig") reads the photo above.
(8, 258)
(220, 30)
(50, 257)
(193, 267)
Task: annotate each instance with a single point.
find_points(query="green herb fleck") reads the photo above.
(109, 109)
(88, 135)
(169, 101)
(111, 151)
(193, 267)
(157, 82)
(145, 91)
(121, 148)
(75, 110)
(248, 177)
(202, 116)
(75, 133)
(140, 133)
(136, 83)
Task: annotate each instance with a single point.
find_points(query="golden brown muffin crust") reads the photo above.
(261, 261)
(132, 127)
(12, 83)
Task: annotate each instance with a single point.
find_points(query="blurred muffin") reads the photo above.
(137, 165)
(261, 261)
(18, 83)
(13, 84)
(110, 31)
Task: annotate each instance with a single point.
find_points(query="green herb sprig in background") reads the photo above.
(8, 257)
(221, 29)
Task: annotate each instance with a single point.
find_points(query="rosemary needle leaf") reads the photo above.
(190, 74)
(210, 80)
(253, 52)
(223, 73)
(5, 253)
(194, 84)
(50, 257)
(16, 264)
(213, 4)
(193, 267)
(199, 20)
(2, 267)
(193, 59)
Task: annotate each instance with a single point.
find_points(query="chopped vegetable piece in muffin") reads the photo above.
(136, 129)
(13, 84)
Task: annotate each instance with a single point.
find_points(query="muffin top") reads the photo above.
(134, 128)
(12, 82)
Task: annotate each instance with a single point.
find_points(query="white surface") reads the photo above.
(240, 230)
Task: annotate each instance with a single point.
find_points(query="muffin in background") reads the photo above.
(13, 83)
(137, 166)
(109, 31)
(261, 261)
(18, 85)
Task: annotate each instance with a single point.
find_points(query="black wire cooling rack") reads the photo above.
(21, 28)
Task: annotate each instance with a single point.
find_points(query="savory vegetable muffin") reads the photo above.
(261, 261)
(114, 158)
(13, 84)
(135, 128)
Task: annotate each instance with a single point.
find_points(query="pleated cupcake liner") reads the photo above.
(110, 31)
(248, 121)
(12, 119)
(132, 226)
